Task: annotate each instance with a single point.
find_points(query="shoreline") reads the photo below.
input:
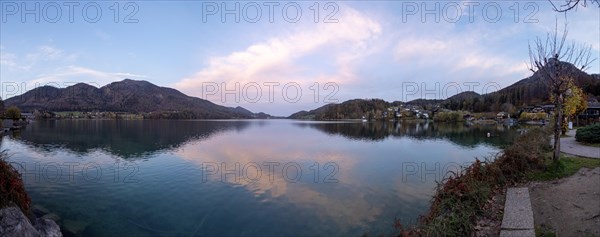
(472, 203)
(17, 217)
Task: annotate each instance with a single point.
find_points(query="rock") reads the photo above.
(51, 216)
(47, 227)
(39, 210)
(14, 223)
(75, 226)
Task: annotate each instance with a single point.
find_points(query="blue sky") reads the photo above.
(394, 50)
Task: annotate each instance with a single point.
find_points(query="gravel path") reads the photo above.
(569, 206)
(570, 146)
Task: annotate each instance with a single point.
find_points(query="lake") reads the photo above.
(241, 177)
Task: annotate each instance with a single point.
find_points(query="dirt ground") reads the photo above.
(569, 206)
(490, 223)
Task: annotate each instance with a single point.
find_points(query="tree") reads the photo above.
(13, 113)
(572, 4)
(1, 111)
(1, 106)
(509, 108)
(574, 103)
(545, 60)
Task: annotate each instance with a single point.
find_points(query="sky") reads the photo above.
(283, 57)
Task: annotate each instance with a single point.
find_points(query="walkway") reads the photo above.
(570, 146)
(518, 215)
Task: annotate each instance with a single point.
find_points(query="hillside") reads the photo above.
(528, 91)
(351, 109)
(123, 96)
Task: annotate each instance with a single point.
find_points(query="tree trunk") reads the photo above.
(557, 127)
(563, 126)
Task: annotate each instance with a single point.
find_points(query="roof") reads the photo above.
(593, 105)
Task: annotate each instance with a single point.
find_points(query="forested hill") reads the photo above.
(124, 96)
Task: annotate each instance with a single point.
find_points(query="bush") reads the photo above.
(525, 116)
(488, 115)
(13, 113)
(452, 116)
(12, 190)
(589, 134)
(461, 197)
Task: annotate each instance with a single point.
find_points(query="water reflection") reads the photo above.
(175, 195)
(131, 139)
(458, 133)
(125, 139)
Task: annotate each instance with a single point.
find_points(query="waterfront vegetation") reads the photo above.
(460, 198)
(450, 116)
(12, 113)
(12, 190)
(525, 116)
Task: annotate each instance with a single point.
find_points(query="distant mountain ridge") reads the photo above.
(351, 109)
(124, 96)
(528, 91)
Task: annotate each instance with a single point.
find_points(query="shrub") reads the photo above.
(461, 197)
(452, 116)
(589, 134)
(13, 113)
(12, 190)
(525, 116)
(488, 115)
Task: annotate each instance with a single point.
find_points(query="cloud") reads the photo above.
(75, 74)
(218, 151)
(43, 54)
(455, 53)
(282, 59)
(470, 54)
(8, 59)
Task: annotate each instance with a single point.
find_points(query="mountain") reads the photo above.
(351, 109)
(533, 90)
(464, 96)
(311, 114)
(124, 96)
(528, 91)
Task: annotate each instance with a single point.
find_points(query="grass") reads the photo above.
(544, 232)
(567, 166)
(590, 144)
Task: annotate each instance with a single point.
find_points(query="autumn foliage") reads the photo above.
(12, 190)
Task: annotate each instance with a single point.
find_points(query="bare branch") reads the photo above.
(572, 4)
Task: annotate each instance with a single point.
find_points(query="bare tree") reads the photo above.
(553, 60)
(572, 4)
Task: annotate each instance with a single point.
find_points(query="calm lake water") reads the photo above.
(240, 178)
